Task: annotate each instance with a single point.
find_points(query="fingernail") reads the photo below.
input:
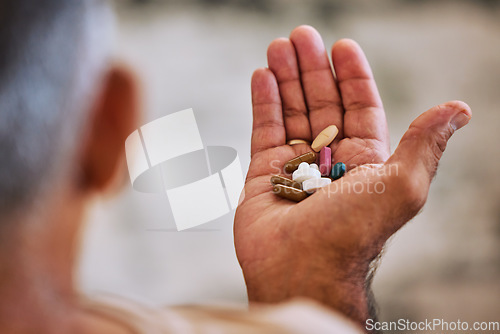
(459, 120)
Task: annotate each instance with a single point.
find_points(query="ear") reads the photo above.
(115, 116)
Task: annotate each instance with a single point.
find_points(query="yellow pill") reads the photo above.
(325, 138)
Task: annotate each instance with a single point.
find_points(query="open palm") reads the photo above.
(281, 244)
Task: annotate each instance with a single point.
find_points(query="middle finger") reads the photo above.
(320, 90)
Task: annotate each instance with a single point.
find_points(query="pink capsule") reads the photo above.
(325, 161)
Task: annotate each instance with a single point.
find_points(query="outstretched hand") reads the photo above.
(322, 247)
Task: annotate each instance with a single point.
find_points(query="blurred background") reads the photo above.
(200, 54)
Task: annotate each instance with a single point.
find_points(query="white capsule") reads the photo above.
(311, 185)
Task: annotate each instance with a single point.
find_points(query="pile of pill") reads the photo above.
(307, 176)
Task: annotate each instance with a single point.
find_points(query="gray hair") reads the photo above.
(52, 57)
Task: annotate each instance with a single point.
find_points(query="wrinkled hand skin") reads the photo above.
(322, 247)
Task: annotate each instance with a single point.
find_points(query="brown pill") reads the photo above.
(290, 193)
(276, 179)
(293, 164)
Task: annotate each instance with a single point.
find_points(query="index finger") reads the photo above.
(364, 115)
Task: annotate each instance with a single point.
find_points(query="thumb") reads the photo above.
(416, 160)
(422, 146)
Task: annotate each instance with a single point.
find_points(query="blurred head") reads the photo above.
(65, 110)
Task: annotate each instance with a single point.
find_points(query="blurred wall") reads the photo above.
(201, 54)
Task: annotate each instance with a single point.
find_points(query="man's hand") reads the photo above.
(322, 247)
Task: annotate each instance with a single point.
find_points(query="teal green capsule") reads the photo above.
(338, 170)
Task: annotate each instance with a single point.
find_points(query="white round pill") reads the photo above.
(305, 172)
